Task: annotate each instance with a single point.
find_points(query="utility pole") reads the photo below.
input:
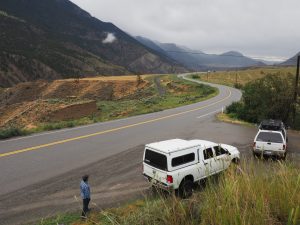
(296, 91)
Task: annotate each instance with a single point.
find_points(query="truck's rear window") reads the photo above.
(269, 137)
(156, 160)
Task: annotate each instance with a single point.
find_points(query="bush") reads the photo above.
(11, 132)
(235, 108)
(266, 98)
(238, 86)
(195, 76)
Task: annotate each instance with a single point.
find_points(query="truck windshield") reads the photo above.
(156, 160)
(269, 137)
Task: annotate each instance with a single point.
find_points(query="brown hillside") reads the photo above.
(33, 102)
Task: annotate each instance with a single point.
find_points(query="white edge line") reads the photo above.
(219, 110)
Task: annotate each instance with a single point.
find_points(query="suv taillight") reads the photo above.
(169, 179)
(283, 147)
(254, 144)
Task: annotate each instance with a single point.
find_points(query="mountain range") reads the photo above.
(54, 39)
(198, 60)
(291, 61)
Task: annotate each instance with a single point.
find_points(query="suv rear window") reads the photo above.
(269, 137)
(180, 160)
(156, 160)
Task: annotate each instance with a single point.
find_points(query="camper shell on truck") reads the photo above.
(177, 164)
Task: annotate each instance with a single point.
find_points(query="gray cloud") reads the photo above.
(261, 28)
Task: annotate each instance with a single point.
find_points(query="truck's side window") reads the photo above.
(208, 153)
(219, 150)
(183, 159)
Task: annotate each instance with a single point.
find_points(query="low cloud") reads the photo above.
(256, 27)
(110, 38)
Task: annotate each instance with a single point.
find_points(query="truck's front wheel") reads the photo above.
(186, 188)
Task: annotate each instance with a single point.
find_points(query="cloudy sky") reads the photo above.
(261, 28)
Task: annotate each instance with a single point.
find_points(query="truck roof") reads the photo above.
(174, 145)
(271, 125)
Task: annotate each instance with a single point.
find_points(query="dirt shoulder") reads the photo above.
(113, 181)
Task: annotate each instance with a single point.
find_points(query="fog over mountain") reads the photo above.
(198, 60)
(261, 29)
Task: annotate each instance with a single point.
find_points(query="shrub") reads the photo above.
(11, 132)
(268, 97)
(238, 86)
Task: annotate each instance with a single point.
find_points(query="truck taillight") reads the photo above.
(254, 144)
(169, 179)
(283, 147)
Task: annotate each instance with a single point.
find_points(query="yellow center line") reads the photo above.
(109, 131)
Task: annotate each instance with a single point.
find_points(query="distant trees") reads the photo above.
(268, 97)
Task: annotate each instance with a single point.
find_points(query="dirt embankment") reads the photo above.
(29, 103)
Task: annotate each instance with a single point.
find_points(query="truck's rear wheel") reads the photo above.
(186, 188)
(236, 161)
(284, 156)
(256, 155)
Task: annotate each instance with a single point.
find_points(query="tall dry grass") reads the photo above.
(258, 192)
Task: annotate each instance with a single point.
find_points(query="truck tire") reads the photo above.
(284, 156)
(256, 155)
(186, 188)
(236, 161)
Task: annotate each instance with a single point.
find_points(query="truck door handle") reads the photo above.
(205, 163)
(269, 143)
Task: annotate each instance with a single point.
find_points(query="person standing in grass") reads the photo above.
(85, 194)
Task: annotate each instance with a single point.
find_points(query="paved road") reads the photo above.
(28, 160)
(40, 173)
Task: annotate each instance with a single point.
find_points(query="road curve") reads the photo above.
(28, 160)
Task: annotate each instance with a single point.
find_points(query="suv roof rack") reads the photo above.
(270, 124)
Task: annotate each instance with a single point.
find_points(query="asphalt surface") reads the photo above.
(40, 174)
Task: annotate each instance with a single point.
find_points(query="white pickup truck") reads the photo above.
(271, 139)
(178, 164)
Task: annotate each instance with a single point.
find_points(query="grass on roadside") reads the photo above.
(231, 118)
(238, 78)
(258, 192)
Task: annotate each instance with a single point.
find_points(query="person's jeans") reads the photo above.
(85, 207)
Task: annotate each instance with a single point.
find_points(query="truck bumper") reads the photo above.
(158, 184)
(259, 152)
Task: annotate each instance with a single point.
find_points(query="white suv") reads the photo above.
(177, 164)
(271, 139)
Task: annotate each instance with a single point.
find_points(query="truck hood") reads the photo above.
(232, 150)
